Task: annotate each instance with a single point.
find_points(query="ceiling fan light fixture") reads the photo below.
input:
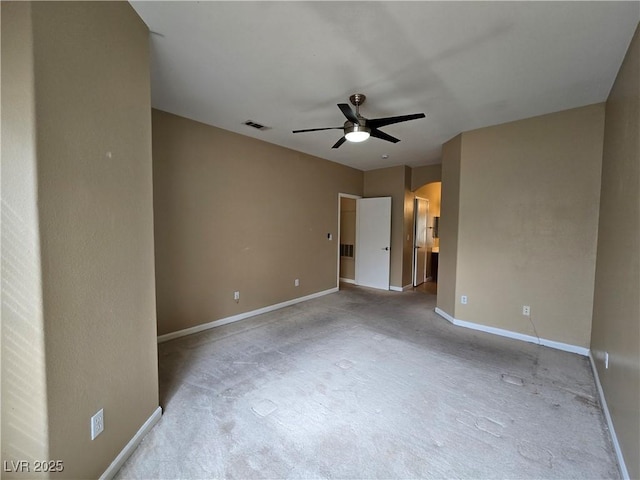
(358, 128)
(356, 133)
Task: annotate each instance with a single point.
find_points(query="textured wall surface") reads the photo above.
(237, 214)
(528, 221)
(616, 309)
(422, 175)
(449, 215)
(24, 394)
(92, 145)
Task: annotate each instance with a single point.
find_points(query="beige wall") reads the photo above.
(395, 182)
(616, 308)
(348, 236)
(423, 175)
(433, 193)
(527, 228)
(92, 146)
(449, 215)
(24, 394)
(237, 214)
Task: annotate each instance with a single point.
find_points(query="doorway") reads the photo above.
(420, 241)
(432, 192)
(346, 238)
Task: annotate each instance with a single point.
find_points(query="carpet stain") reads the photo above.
(230, 393)
(228, 427)
(590, 401)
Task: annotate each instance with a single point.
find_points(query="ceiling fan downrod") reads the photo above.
(356, 100)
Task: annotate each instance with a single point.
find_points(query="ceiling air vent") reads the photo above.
(258, 126)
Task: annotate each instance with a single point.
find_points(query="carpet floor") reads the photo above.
(371, 384)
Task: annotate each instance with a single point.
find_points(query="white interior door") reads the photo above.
(420, 250)
(373, 242)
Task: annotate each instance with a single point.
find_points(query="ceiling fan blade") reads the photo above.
(384, 136)
(381, 122)
(347, 112)
(339, 142)
(317, 129)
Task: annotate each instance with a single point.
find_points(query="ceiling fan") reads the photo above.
(358, 128)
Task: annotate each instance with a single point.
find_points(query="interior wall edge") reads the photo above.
(565, 347)
(131, 446)
(241, 316)
(605, 409)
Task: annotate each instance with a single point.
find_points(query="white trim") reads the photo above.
(349, 195)
(401, 289)
(132, 445)
(607, 415)
(515, 335)
(241, 316)
(348, 280)
(446, 316)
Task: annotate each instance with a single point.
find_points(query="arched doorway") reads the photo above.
(426, 249)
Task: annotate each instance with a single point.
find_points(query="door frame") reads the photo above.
(415, 238)
(340, 197)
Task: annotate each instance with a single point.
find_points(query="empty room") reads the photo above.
(320, 240)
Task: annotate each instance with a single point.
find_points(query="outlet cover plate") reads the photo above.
(97, 424)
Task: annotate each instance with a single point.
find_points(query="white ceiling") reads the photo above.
(465, 64)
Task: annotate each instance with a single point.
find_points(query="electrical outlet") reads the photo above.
(526, 310)
(296, 282)
(97, 424)
(606, 359)
(236, 296)
(463, 299)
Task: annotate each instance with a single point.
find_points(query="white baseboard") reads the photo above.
(515, 335)
(605, 409)
(126, 452)
(401, 289)
(446, 316)
(241, 316)
(348, 280)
